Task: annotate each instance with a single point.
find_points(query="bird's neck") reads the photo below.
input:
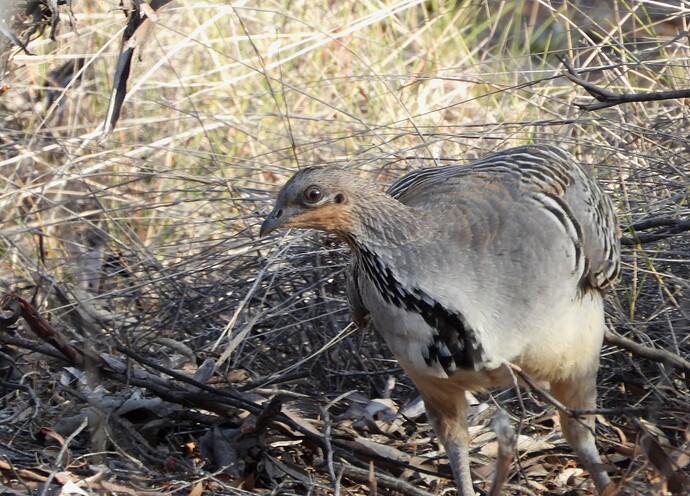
(383, 223)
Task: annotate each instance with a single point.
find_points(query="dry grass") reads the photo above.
(148, 241)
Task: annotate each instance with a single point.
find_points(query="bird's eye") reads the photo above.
(312, 194)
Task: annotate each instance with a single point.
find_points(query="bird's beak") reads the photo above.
(275, 220)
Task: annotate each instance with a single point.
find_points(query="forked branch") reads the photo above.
(607, 98)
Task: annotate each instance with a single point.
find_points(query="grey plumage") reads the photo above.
(464, 269)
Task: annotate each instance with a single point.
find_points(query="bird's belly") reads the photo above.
(567, 343)
(549, 345)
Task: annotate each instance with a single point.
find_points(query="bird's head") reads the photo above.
(316, 198)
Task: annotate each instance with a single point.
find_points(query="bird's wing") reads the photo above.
(600, 230)
(548, 174)
(359, 312)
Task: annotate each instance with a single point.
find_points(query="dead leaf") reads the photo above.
(48, 432)
(568, 473)
(237, 376)
(653, 450)
(137, 30)
(197, 490)
(292, 470)
(524, 444)
(72, 488)
(220, 447)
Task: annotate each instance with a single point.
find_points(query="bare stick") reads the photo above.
(607, 98)
(655, 354)
(383, 481)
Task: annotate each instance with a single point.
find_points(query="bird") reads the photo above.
(468, 269)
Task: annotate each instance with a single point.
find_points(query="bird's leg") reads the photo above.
(459, 458)
(448, 415)
(578, 393)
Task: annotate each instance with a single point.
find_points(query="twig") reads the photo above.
(223, 402)
(373, 486)
(520, 489)
(521, 419)
(644, 412)
(547, 397)
(672, 227)
(660, 222)
(607, 98)
(254, 385)
(27, 344)
(328, 449)
(654, 354)
(33, 400)
(383, 481)
(42, 328)
(61, 455)
(540, 391)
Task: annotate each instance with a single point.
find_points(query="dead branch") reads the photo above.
(670, 227)
(27, 344)
(663, 356)
(607, 98)
(383, 481)
(182, 390)
(17, 306)
(548, 398)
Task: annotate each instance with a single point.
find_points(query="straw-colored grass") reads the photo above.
(149, 239)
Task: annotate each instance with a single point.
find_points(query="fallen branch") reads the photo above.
(223, 402)
(382, 480)
(15, 306)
